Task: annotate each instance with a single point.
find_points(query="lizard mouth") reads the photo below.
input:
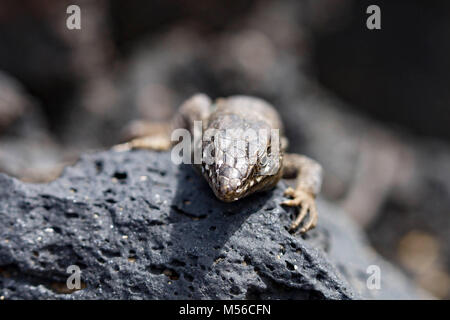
(229, 197)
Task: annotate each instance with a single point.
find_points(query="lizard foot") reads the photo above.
(307, 203)
(156, 142)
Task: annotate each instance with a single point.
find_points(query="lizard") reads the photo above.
(233, 176)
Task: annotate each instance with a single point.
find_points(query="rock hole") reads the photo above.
(235, 290)
(102, 261)
(108, 191)
(120, 175)
(290, 266)
(177, 263)
(155, 223)
(99, 166)
(188, 277)
(171, 274)
(110, 253)
(57, 229)
(71, 215)
(155, 269)
(270, 267)
(152, 170)
(321, 275)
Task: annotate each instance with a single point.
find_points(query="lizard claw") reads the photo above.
(307, 203)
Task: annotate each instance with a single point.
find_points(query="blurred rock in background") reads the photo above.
(371, 106)
(27, 149)
(398, 74)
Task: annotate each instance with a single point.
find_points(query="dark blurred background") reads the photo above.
(370, 105)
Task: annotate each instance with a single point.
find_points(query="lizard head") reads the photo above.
(239, 166)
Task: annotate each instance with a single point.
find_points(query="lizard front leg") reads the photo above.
(148, 135)
(156, 136)
(308, 175)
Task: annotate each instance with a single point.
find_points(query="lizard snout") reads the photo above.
(229, 184)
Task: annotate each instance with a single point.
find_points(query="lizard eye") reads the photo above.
(265, 158)
(263, 161)
(268, 163)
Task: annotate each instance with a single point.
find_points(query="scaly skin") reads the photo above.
(234, 173)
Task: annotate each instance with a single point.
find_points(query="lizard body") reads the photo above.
(252, 166)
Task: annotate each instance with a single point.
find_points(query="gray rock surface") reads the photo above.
(140, 227)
